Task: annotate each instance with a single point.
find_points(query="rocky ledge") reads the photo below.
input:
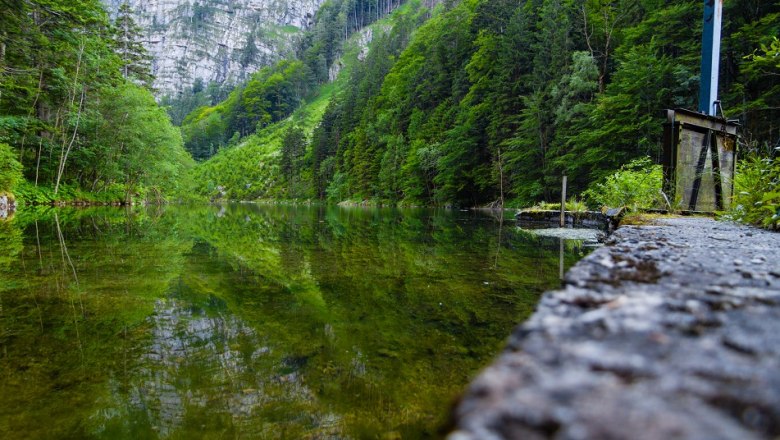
(668, 331)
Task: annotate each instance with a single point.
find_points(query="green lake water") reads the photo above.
(248, 321)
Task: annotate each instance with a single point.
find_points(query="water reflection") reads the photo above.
(255, 322)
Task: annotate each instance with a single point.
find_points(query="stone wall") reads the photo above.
(669, 331)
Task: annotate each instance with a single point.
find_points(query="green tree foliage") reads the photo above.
(249, 52)
(10, 169)
(179, 106)
(62, 108)
(657, 68)
(637, 186)
(335, 21)
(141, 147)
(483, 102)
(271, 95)
(757, 192)
(274, 92)
(293, 150)
(750, 85)
(497, 99)
(136, 62)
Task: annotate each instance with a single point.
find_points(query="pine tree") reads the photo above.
(136, 62)
(293, 148)
(250, 52)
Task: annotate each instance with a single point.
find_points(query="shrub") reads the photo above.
(572, 205)
(337, 190)
(636, 186)
(576, 206)
(10, 169)
(29, 194)
(757, 192)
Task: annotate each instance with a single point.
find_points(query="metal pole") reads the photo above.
(563, 203)
(710, 56)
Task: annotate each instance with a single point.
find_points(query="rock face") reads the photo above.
(216, 40)
(194, 360)
(667, 332)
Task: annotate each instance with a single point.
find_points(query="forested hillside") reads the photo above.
(419, 102)
(491, 101)
(75, 113)
(269, 162)
(274, 92)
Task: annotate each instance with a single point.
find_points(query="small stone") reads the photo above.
(757, 261)
(607, 262)
(738, 262)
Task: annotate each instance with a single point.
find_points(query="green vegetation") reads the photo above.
(10, 169)
(252, 169)
(73, 107)
(29, 194)
(757, 182)
(270, 96)
(483, 102)
(199, 95)
(275, 160)
(572, 205)
(274, 92)
(453, 103)
(757, 192)
(637, 186)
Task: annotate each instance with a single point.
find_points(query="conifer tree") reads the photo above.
(136, 62)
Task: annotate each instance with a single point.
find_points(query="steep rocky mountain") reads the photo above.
(216, 40)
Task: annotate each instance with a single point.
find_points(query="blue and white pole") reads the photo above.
(710, 57)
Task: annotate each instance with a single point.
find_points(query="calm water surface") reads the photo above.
(255, 322)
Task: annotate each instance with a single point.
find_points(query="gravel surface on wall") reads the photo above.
(669, 331)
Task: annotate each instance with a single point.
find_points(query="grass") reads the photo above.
(650, 219)
(572, 205)
(29, 194)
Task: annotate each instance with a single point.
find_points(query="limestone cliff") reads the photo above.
(216, 40)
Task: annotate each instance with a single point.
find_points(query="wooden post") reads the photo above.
(563, 203)
(560, 259)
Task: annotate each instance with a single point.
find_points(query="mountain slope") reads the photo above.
(269, 163)
(491, 101)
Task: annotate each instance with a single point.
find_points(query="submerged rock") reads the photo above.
(569, 233)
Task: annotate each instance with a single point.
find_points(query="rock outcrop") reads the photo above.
(216, 40)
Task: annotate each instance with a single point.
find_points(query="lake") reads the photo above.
(247, 321)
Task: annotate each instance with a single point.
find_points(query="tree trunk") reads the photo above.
(64, 158)
(65, 151)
